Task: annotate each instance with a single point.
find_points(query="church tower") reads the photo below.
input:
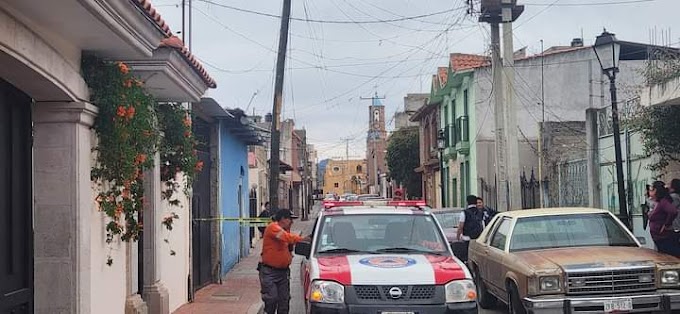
(376, 145)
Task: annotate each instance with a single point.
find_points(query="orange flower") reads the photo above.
(146, 133)
(119, 211)
(127, 184)
(126, 194)
(130, 112)
(187, 121)
(140, 159)
(121, 111)
(127, 83)
(199, 166)
(123, 67)
(187, 133)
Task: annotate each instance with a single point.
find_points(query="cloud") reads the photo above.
(331, 66)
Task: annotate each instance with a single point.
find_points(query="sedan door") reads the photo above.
(494, 274)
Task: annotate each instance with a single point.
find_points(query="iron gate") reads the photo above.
(531, 191)
(16, 228)
(573, 183)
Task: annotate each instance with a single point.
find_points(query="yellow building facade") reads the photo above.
(345, 176)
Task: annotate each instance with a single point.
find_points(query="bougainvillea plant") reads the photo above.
(128, 137)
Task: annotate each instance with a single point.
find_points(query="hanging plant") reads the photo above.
(128, 137)
(179, 161)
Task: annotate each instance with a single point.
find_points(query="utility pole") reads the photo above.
(511, 109)
(495, 12)
(540, 135)
(274, 160)
(184, 18)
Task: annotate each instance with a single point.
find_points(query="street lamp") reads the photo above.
(441, 144)
(607, 50)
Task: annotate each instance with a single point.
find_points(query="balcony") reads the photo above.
(462, 133)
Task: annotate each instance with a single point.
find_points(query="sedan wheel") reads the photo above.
(514, 303)
(485, 299)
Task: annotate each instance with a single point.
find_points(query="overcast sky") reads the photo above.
(334, 63)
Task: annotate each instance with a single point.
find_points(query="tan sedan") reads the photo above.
(570, 260)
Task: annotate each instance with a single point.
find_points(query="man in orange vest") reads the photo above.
(275, 265)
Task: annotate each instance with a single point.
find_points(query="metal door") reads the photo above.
(16, 228)
(202, 230)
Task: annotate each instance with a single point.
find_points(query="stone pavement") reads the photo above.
(239, 292)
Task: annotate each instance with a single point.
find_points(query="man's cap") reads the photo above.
(284, 213)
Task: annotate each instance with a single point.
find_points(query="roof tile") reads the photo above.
(173, 41)
(462, 61)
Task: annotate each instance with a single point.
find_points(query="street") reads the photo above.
(296, 303)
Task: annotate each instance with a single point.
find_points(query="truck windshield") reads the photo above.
(376, 234)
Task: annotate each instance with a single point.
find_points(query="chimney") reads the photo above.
(577, 42)
(268, 117)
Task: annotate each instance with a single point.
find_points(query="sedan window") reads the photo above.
(499, 237)
(534, 233)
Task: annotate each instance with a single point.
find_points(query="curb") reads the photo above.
(256, 308)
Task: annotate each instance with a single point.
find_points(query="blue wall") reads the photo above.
(234, 172)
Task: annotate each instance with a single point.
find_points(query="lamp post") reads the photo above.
(441, 144)
(607, 50)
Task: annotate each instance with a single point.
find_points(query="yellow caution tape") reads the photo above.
(255, 221)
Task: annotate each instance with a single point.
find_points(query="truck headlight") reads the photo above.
(327, 292)
(670, 278)
(549, 284)
(461, 291)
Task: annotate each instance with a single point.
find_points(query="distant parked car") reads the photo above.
(448, 218)
(570, 260)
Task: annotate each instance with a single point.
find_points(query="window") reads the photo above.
(534, 233)
(465, 102)
(359, 169)
(336, 185)
(501, 234)
(379, 233)
(336, 169)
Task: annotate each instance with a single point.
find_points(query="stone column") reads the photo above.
(154, 293)
(593, 159)
(63, 206)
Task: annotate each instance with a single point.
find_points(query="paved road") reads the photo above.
(296, 302)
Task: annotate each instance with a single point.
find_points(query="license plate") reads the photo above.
(617, 305)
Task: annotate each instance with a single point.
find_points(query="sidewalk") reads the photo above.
(239, 292)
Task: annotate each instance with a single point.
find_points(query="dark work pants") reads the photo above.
(275, 289)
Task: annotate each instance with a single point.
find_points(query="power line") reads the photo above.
(379, 21)
(588, 4)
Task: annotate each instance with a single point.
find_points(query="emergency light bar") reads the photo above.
(416, 203)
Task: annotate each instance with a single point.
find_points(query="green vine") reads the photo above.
(126, 128)
(178, 155)
(131, 127)
(659, 128)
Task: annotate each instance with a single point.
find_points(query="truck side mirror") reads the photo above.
(303, 248)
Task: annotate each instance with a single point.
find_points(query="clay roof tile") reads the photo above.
(173, 41)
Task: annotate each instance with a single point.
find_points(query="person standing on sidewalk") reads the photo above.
(275, 265)
(661, 220)
(265, 213)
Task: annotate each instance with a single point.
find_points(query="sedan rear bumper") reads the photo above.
(659, 301)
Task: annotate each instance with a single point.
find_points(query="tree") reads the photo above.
(403, 157)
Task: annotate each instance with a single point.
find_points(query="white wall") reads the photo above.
(175, 268)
